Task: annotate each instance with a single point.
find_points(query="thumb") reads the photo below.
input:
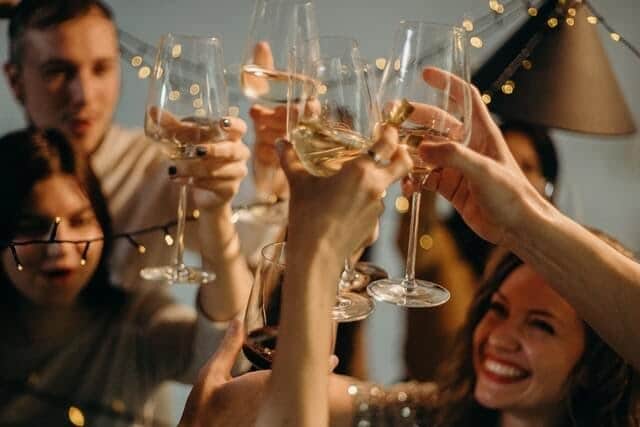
(262, 55)
(456, 156)
(288, 158)
(224, 358)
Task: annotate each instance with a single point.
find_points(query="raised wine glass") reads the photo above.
(435, 112)
(276, 27)
(332, 119)
(187, 99)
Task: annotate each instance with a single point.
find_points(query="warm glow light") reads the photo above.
(402, 204)
(174, 95)
(136, 61)
(476, 42)
(168, 239)
(532, 11)
(20, 267)
(176, 51)
(194, 89)
(76, 416)
(380, 63)
(83, 262)
(426, 242)
(592, 19)
(493, 4)
(144, 72)
(571, 11)
(322, 89)
(552, 22)
(527, 64)
(142, 249)
(486, 98)
(615, 37)
(196, 213)
(508, 87)
(500, 8)
(570, 22)
(197, 103)
(467, 24)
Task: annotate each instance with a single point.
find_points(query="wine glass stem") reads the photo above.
(410, 268)
(348, 275)
(182, 210)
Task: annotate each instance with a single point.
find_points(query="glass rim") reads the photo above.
(296, 2)
(213, 39)
(450, 27)
(265, 248)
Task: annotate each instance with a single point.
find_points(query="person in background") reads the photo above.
(457, 256)
(64, 71)
(72, 340)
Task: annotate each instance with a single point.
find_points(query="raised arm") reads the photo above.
(484, 183)
(329, 219)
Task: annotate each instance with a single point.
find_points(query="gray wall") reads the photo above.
(600, 182)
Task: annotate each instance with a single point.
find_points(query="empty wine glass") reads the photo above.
(187, 99)
(433, 112)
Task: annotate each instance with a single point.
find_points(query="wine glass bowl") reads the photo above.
(262, 315)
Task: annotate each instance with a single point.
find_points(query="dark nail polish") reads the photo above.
(173, 170)
(201, 151)
(225, 123)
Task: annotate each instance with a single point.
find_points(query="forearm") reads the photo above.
(298, 389)
(599, 282)
(228, 294)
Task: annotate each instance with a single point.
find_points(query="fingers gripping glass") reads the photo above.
(441, 110)
(187, 99)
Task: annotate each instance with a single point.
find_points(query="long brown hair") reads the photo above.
(599, 387)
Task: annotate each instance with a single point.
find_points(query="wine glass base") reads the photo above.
(351, 307)
(173, 274)
(422, 294)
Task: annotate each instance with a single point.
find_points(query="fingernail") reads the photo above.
(201, 151)
(225, 123)
(173, 170)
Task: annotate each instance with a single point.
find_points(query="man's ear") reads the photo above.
(12, 74)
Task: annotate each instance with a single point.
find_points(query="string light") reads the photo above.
(552, 22)
(54, 228)
(136, 61)
(570, 21)
(532, 11)
(402, 204)
(15, 258)
(167, 237)
(615, 37)
(467, 24)
(476, 42)
(76, 417)
(83, 259)
(141, 249)
(144, 72)
(486, 98)
(164, 228)
(592, 20)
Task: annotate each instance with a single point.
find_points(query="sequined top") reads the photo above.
(401, 405)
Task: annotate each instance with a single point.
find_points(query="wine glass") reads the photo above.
(276, 26)
(430, 112)
(187, 99)
(262, 315)
(332, 119)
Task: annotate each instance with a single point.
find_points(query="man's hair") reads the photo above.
(43, 14)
